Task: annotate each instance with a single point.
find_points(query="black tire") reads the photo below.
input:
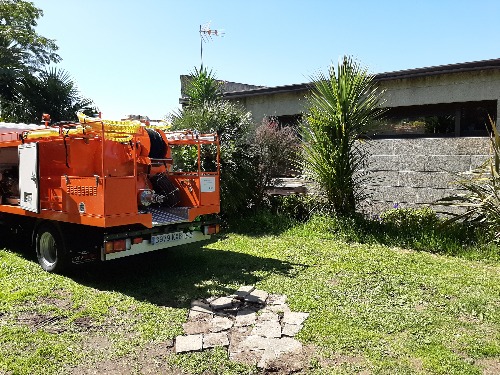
(50, 250)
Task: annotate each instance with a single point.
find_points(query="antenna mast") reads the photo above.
(205, 35)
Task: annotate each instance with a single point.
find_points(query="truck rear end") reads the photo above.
(101, 189)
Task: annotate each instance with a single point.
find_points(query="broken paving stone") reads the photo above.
(248, 323)
(243, 291)
(245, 317)
(199, 308)
(247, 357)
(220, 323)
(291, 317)
(189, 343)
(253, 342)
(276, 299)
(268, 316)
(268, 328)
(211, 340)
(286, 345)
(276, 308)
(193, 327)
(257, 296)
(222, 303)
(291, 330)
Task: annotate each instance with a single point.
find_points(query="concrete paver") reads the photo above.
(245, 318)
(222, 303)
(268, 328)
(291, 330)
(244, 291)
(291, 317)
(256, 327)
(220, 323)
(211, 340)
(257, 296)
(189, 343)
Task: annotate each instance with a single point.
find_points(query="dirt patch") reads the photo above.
(337, 361)
(36, 321)
(490, 366)
(417, 364)
(84, 323)
(149, 360)
(419, 307)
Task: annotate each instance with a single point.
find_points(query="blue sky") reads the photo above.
(128, 55)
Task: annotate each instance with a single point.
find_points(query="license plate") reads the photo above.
(167, 237)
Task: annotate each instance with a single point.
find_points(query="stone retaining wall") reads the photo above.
(417, 172)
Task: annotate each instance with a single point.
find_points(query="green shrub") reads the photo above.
(261, 222)
(412, 219)
(295, 206)
(276, 151)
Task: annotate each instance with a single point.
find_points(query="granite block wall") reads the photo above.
(417, 172)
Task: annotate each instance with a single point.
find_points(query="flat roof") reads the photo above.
(400, 74)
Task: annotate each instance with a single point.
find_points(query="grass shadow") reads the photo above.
(176, 276)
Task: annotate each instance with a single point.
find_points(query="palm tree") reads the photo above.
(51, 91)
(203, 88)
(342, 106)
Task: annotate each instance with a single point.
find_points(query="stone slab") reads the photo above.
(253, 342)
(269, 329)
(243, 291)
(192, 327)
(291, 330)
(268, 316)
(257, 296)
(222, 303)
(189, 343)
(220, 323)
(286, 345)
(211, 340)
(276, 299)
(292, 317)
(198, 308)
(245, 317)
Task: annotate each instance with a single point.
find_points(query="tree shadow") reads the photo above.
(174, 277)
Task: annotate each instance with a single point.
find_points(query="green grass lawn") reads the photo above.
(373, 309)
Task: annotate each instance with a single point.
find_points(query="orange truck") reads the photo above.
(99, 189)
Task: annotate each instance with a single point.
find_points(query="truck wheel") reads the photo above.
(50, 249)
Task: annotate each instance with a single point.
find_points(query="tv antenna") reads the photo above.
(206, 34)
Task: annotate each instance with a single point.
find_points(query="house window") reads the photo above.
(467, 119)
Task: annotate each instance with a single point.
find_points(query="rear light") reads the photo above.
(108, 247)
(137, 240)
(211, 229)
(117, 245)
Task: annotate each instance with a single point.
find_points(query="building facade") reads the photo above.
(437, 126)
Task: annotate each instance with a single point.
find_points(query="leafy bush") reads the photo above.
(276, 150)
(295, 206)
(416, 229)
(208, 112)
(408, 218)
(262, 222)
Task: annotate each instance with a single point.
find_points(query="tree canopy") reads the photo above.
(20, 45)
(28, 87)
